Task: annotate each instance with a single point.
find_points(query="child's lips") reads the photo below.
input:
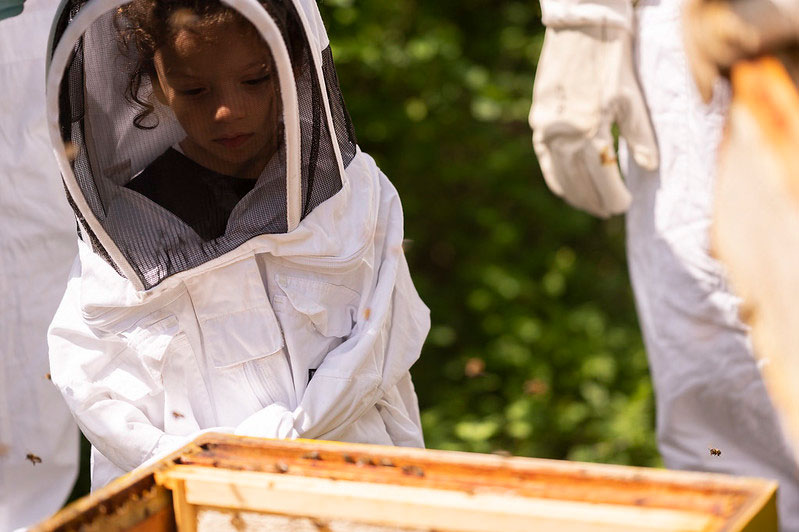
(234, 141)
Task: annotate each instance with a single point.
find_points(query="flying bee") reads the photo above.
(33, 458)
(715, 452)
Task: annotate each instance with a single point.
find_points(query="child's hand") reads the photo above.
(274, 421)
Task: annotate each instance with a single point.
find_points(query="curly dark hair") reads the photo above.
(144, 26)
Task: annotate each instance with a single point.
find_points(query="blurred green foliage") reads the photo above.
(534, 348)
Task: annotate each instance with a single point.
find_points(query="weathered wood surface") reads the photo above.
(756, 221)
(134, 503)
(216, 520)
(253, 484)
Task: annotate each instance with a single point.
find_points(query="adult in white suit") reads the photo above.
(708, 387)
(38, 438)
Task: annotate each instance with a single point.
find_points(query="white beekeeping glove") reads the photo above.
(720, 32)
(585, 82)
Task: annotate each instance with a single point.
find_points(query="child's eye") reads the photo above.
(259, 80)
(191, 92)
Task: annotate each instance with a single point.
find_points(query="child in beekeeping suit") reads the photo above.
(610, 61)
(240, 263)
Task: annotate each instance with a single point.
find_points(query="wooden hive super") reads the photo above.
(226, 483)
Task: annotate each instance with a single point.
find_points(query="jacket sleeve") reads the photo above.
(570, 13)
(105, 386)
(386, 340)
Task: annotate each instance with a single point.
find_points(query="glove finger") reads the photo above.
(589, 178)
(563, 168)
(547, 168)
(636, 128)
(606, 178)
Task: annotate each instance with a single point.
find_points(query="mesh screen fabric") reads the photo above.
(345, 132)
(109, 151)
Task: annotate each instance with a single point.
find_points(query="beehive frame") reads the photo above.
(336, 486)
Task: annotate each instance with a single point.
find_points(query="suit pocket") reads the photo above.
(316, 317)
(330, 308)
(250, 343)
(137, 371)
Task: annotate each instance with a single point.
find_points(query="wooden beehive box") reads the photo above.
(226, 483)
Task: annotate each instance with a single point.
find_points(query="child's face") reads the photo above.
(222, 87)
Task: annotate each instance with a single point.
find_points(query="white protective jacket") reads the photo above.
(38, 438)
(709, 391)
(307, 329)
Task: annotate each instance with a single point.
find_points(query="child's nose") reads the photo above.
(229, 108)
(224, 113)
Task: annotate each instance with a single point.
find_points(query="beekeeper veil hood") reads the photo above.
(185, 128)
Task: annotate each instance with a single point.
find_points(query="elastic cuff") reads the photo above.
(572, 13)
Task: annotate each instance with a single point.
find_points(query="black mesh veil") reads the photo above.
(133, 160)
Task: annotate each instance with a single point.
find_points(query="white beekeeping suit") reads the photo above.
(709, 391)
(296, 317)
(38, 438)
